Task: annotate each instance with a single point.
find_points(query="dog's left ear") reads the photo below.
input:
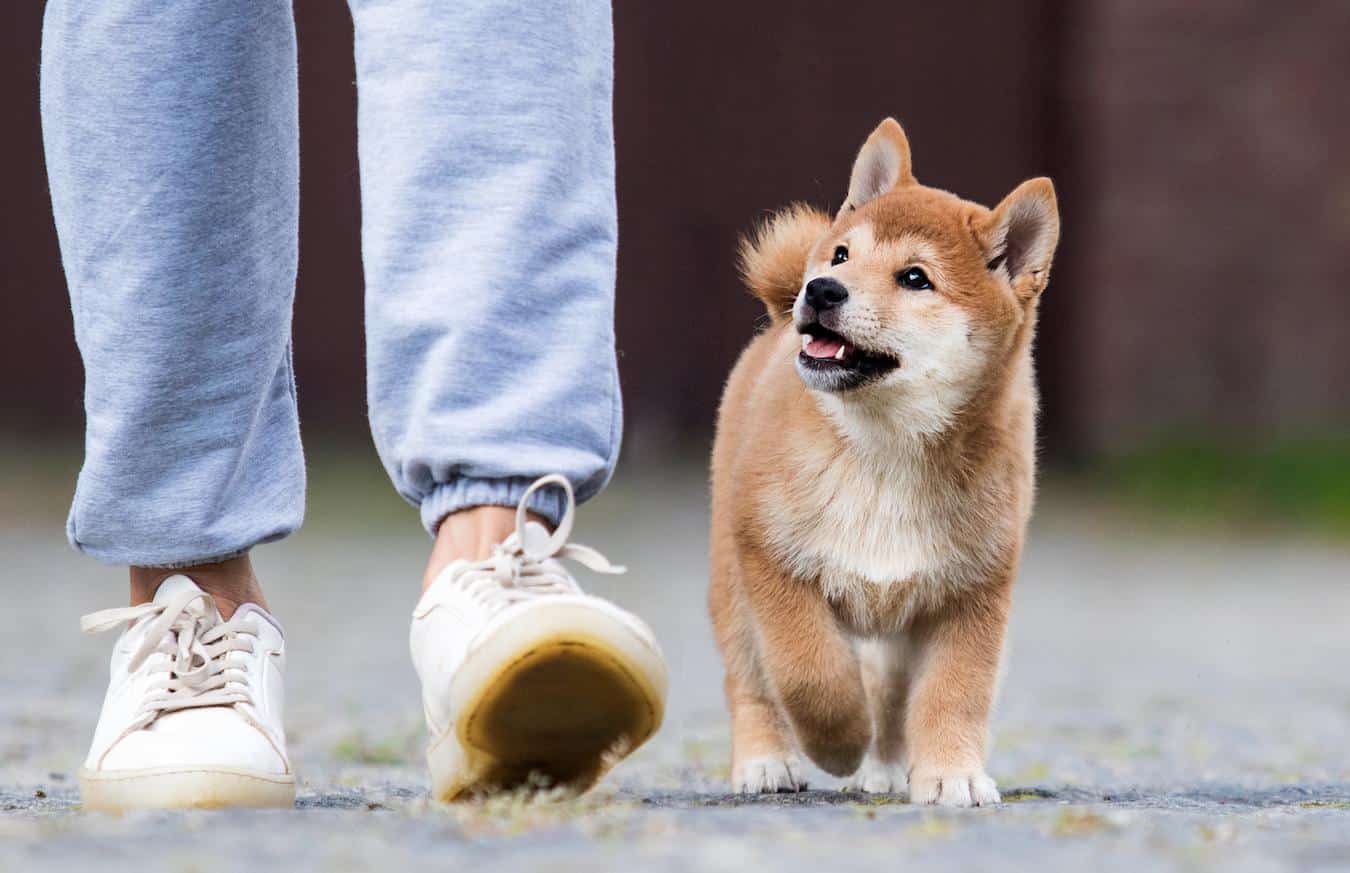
(1020, 236)
(882, 164)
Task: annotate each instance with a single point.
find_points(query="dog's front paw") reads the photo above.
(877, 777)
(766, 774)
(953, 787)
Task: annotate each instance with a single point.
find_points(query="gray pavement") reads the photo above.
(1173, 701)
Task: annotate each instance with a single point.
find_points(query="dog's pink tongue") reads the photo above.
(819, 347)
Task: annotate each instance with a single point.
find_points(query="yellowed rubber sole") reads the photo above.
(184, 788)
(559, 714)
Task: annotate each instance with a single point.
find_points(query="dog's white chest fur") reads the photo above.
(853, 521)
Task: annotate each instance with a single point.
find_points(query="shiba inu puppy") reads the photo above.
(872, 481)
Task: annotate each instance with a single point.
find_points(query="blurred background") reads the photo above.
(1191, 549)
(1196, 335)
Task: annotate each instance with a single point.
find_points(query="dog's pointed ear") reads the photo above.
(1020, 236)
(882, 164)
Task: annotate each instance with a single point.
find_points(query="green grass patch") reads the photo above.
(935, 826)
(1034, 772)
(1079, 823)
(357, 748)
(1298, 483)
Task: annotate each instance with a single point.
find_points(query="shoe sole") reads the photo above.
(553, 701)
(184, 788)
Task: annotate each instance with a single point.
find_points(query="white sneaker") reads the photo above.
(527, 680)
(193, 712)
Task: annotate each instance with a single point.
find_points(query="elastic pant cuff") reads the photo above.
(464, 493)
(197, 562)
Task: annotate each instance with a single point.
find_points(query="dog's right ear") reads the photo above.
(773, 257)
(882, 165)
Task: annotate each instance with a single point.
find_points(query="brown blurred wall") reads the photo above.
(1215, 265)
(1201, 275)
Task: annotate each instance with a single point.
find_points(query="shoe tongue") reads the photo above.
(173, 586)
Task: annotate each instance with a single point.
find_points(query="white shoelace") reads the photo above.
(519, 570)
(189, 630)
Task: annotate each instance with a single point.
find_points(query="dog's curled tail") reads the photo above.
(773, 255)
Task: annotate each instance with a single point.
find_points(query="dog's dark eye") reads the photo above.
(840, 255)
(913, 279)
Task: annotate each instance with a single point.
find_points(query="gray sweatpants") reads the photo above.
(488, 236)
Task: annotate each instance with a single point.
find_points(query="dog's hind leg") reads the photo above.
(886, 674)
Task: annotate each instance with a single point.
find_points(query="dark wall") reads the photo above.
(723, 111)
(40, 374)
(728, 110)
(1217, 268)
(1199, 150)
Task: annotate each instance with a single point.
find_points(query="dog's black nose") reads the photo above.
(824, 293)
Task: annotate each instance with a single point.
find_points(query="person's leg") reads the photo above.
(489, 235)
(171, 141)
(487, 171)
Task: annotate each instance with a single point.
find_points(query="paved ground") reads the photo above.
(1173, 701)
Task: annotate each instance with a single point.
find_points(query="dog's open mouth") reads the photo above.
(824, 350)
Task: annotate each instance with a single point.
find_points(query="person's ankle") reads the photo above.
(231, 583)
(469, 535)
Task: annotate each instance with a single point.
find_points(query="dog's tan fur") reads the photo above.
(865, 541)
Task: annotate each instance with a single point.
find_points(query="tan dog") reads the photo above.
(872, 481)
